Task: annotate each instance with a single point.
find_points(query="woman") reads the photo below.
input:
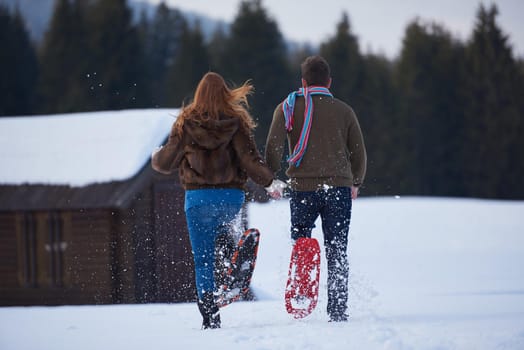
(211, 144)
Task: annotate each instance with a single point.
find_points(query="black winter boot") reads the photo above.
(209, 311)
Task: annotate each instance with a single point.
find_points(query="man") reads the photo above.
(327, 165)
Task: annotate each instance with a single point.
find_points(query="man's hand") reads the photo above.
(354, 192)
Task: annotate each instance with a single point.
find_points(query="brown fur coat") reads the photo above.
(212, 154)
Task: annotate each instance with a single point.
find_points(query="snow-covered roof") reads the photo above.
(81, 148)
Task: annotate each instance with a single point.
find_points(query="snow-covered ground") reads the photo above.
(426, 273)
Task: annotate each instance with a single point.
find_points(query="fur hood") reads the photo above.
(211, 134)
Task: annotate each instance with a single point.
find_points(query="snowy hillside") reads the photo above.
(426, 274)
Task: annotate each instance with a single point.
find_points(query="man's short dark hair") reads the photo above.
(315, 71)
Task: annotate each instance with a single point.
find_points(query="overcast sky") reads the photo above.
(379, 24)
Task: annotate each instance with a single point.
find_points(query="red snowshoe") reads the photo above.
(303, 278)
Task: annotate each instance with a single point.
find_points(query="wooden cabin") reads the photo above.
(118, 242)
(70, 235)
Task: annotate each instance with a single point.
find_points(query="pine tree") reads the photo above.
(255, 50)
(116, 57)
(494, 89)
(190, 64)
(378, 112)
(429, 74)
(343, 54)
(64, 81)
(18, 66)
(162, 42)
(217, 49)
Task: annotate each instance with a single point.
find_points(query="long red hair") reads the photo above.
(213, 98)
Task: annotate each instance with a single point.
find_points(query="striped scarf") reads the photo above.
(288, 107)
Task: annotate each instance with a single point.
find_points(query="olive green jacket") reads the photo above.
(335, 154)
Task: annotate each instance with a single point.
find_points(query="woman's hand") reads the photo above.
(276, 189)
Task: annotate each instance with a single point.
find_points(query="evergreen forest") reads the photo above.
(443, 118)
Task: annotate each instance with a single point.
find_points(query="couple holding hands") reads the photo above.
(211, 144)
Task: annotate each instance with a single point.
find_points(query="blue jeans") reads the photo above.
(205, 222)
(334, 207)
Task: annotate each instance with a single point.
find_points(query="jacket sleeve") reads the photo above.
(167, 158)
(250, 159)
(276, 140)
(357, 151)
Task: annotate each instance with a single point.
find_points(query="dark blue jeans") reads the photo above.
(333, 205)
(205, 222)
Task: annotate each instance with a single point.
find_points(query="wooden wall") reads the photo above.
(154, 248)
(99, 256)
(8, 251)
(55, 258)
(139, 237)
(89, 255)
(173, 256)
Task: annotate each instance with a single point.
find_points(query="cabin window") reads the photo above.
(42, 248)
